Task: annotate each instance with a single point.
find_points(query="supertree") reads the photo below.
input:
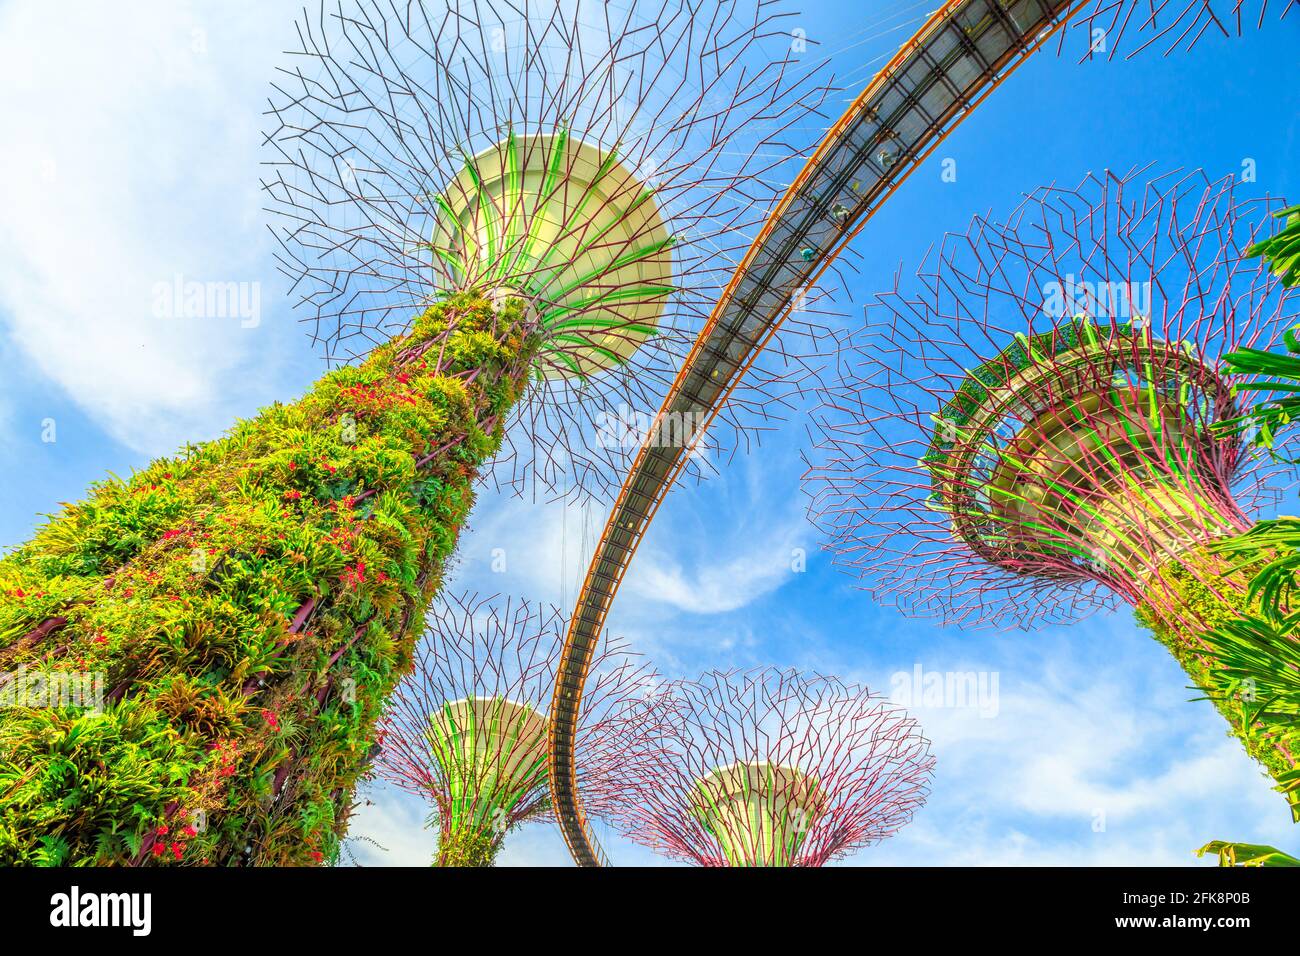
(466, 730)
(606, 164)
(765, 768)
(1045, 426)
(509, 216)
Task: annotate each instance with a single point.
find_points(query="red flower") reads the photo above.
(354, 574)
(317, 855)
(168, 535)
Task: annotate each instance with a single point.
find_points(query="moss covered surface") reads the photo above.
(248, 605)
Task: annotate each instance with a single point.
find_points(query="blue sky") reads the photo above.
(132, 151)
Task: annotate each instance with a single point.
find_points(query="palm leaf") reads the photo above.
(1282, 251)
(1247, 854)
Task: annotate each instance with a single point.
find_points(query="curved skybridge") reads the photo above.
(959, 56)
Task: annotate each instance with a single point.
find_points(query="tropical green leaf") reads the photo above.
(1247, 854)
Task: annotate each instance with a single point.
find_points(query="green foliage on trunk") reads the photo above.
(1269, 736)
(249, 604)
(468, 846)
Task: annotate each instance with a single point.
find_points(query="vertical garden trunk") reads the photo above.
(244, 609)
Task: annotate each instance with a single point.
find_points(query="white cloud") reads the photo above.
(546, 549)
(735, 570)
(6, 420)
(132, 156)
(721, 545)
(388, 829)
(1084, 765)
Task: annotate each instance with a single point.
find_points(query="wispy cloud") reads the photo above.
(737, 568)
(529, 549)
(722, 545)
(543, 550)
(1086, 763)
(388, 829)
(131, 157)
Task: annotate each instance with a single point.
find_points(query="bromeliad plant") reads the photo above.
(1256, 662)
